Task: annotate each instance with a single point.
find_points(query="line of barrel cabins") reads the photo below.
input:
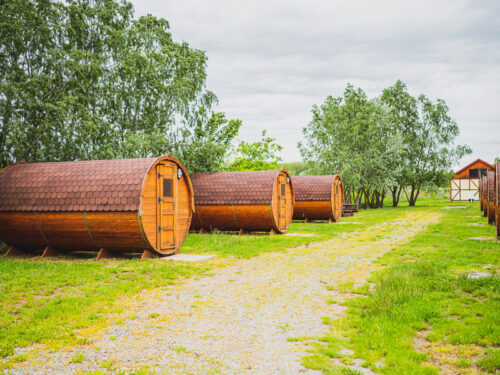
(146, 207)
(489, 196)
(479, 181)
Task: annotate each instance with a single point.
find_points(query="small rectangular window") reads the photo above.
(484, 172)
(473, 173)
(167, 188)
(283, 189)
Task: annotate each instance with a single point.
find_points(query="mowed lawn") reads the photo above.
(423, 290)
(434, 307)
(51, 300)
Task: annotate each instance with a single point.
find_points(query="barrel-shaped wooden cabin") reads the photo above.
(318, 198)
(497, 198)
(243, 201)
(112, 206)
(481, 192)
(484, 195)
(491, 197)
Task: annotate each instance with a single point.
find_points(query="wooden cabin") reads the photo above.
(110, 206)
(318, 198)
(483, 188)
(243, 201)
(490, 201)
(497, 198)
(465, 183)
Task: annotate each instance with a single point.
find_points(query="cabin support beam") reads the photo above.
(202, 231)
(14, 251)
(49, 252)
(242, 232)
(330, 220)
(147, 254)
(272, 232)
(306, 220)
(104, 253)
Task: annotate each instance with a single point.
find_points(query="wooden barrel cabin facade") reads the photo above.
(491, 197)
(243, 201)
(318, 198)
(497, 198)
(484, 195)
(481, 192)
(112, 206)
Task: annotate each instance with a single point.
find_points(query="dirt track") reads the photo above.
(238, 320)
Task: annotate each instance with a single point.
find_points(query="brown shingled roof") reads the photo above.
(313, 188)
(250, 187)
(95, 185)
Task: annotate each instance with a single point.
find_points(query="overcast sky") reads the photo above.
(270, 61)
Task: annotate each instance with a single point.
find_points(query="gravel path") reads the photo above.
(238, 320)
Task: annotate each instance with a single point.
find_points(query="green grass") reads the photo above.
(425, 287)
(250, 245)
(49, 300)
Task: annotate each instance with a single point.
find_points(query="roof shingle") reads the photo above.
(94, 185)
(313, 188)
(249, 187)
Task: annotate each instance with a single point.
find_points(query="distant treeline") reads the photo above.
(391, 144)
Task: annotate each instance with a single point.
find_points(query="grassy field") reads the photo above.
(423, 291)
(425, 299)
(50, 300)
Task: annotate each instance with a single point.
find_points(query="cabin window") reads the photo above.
(282, 189)
(484, 172)
(473, 173)
(167, 188)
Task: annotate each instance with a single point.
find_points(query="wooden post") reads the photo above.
(202, 231)
(272, 232)
(104, 253)
(14, 251)
(242, 232)
(306, 220)
(49, 252)
(146, 254)
(330, 220)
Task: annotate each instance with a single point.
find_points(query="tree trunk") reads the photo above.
(381, 199)
(396, 194)
(415, 190)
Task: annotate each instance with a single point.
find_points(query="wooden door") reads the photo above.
(282, 201)
(338, 197)
(167, 208)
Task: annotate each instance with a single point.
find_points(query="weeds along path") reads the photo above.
(241, 319)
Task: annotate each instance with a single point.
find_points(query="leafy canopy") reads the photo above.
(84, 79)
(255, 156)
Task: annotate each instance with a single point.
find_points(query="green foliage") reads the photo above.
(255, 156)
(394, 142)
(298, 168)
(428, 134)
(83, 79)
(354, 136)
(206, 143)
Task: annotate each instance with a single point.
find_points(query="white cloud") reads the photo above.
(270, 61)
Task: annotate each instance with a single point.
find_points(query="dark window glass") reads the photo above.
(282, 189)
(167, 188)
(336, 189)
(484, 172)
(473, 173)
